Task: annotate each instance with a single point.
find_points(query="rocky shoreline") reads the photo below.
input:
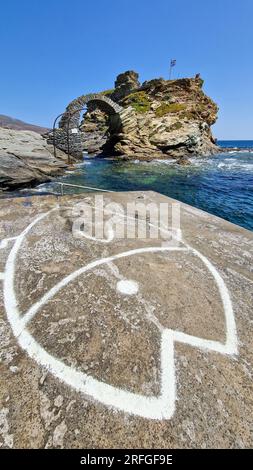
(158, 119)
(26, 160)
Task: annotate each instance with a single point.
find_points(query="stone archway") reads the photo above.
(71, 117)
(68, 137)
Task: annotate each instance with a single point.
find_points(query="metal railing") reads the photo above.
(81, 186)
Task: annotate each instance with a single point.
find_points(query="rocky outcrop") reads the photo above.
(27, 159)
(125, 84)
(160, 119)
(172, 119)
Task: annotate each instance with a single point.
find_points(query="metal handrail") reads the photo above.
(81, 186)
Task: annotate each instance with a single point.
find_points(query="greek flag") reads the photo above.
(173, 62)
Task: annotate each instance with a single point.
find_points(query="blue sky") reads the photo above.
(54, 50)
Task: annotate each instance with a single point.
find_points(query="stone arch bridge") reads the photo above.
(73, 112)
(68, 137)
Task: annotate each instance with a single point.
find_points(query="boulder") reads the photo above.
(27, 159)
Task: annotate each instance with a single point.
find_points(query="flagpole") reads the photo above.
(172, 64)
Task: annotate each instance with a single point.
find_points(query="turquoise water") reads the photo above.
(221, 185)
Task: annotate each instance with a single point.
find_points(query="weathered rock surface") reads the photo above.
(160, 119)
(94, 129)
(26, 159)
(125, 83)
(93, 328)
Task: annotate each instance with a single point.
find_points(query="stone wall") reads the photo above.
(60, 140)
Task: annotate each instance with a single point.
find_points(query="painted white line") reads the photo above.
(231, 346)
(149, 407)
(9, 289)
(71, 277)
(5, 241)
(161, 407)
(83, 234)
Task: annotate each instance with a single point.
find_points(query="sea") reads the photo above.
(221, 184)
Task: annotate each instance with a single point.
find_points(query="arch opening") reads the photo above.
(70, 136)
